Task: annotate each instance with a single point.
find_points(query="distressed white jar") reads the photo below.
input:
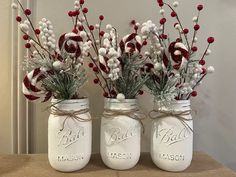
(120, 136)
(69, 140)
(172, 139)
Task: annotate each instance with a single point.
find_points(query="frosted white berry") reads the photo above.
(157, 66)
(24, 27)
(57, 65)
(14, 6)
(120, 97)
(208, 52)
(176, 4)
(195, 19)
(109, 27)
(102, 51)
(210, 69)
(162, 11)
(83, 34)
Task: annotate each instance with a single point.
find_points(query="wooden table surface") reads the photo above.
(38, 166)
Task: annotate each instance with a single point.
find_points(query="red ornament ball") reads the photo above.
(70, 13)
(90, 65)
(178, 40)
(81, 28)
(101, 17)
(164, 36)
(27, 45)
(105, 94)
(81, 2)
(85, 10)
(75, 31)
(96, 81)
(37, 31)
(194, 49)
(18, 19)
(200, 7)
(141, 92)
(25, 37)
(95, 69)
(145, 42)
(173, 14)
(194, 94)
(133, 22)
(186, 31)
(160, 2)
(75, 13)
(27, 11)
(202, 62)
(163, 21)
(91, 27)
(210, 40)
(196, 27)
(101, 33)
(204, 71)
(113, 92)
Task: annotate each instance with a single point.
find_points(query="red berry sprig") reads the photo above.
(96, 81)
(200, 7)
(211, 40)
(194, 94)
(18, 19)
(26, 37)
(163, 21)
(27, 45)
(101, 17)
(27, 12)
(85, 10)
(81, 2)
(37, 31)
(196, 27)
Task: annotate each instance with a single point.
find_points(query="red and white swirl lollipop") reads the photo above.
(179, 55)
(29, 88)
(131, 43)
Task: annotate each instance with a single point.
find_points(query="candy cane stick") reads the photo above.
(29, 88)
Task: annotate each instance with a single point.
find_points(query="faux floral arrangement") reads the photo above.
(55, 67)
(116, 64)
(174, 67)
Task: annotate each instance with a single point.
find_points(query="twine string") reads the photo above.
(180, 115)
(70, 114)
(133, 114)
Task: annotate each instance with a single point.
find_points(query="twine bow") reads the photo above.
(180, 115)
(133, 114)
(70, 114)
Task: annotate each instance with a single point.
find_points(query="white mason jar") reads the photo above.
(120, 135)
(69, 139)
(172, 138)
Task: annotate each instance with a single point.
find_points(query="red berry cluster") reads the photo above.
(160, 2)
(73, 13)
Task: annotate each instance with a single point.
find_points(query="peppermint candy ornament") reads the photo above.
(131, 43)
(29, 88)
(70, 42)
(179, 55)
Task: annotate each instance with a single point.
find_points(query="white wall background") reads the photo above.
(215, 119)
(5, 75)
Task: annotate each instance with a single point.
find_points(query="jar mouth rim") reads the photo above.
(182, 101)
(54, 100)
(114, 100)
